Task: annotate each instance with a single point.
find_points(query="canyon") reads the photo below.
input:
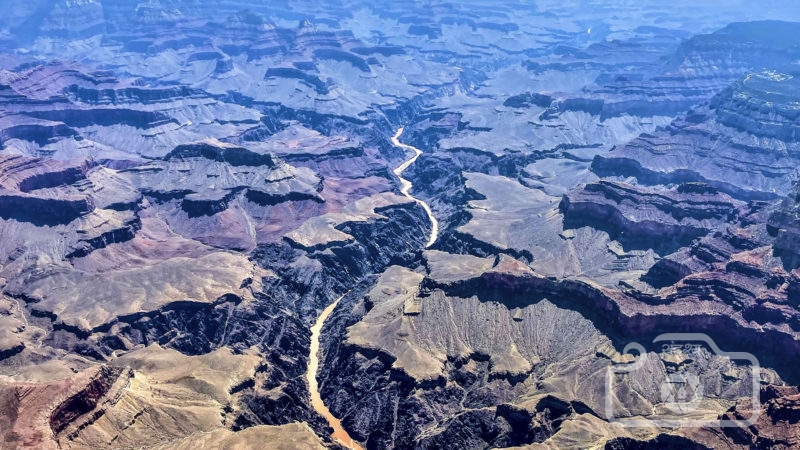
(339, 433)
(406, 185)
(408, 225)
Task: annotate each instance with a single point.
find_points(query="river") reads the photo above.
(339, 433)
(406, 185)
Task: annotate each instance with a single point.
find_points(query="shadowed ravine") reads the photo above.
(339, 433)
(406, 185)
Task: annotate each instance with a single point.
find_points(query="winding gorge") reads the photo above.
(407, 185)
(339, 432)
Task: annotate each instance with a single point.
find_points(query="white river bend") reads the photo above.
(406, 185)
(339, 433)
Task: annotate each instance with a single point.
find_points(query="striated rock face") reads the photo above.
(746, 129)
(24, 178)
(83, 401)
(740, 46)
(761, 105)
(33, 413)
(776, 426)
(636, 216)
(661, 441)
(783, 224)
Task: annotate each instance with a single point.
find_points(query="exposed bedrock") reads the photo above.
(129, 95)
(271, 394)
(698, 68)
(293, 73)
(747, 129)
(663, 220)
(528, 99)
(179, 202)
(209, 203)
(34, 130)
(269, 390)
(743, 253)
(79, 118)
(394, 394)
(308, 278)
(273, 198)
(739, 47)
(221, 184)
(660, 442)
(382, 381)
(118, 228)
(465, 407)
(219, 152)
(310, 275)
(623, 317)
(443, 186)
(43, 211)
(35, 413)
(776, 426)
(784, 224)
(763, 104)
(331, 124)
(429, 127)
(441, 182)
(668, 271)
(29, 174)
(84, 400)
(339, 55)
